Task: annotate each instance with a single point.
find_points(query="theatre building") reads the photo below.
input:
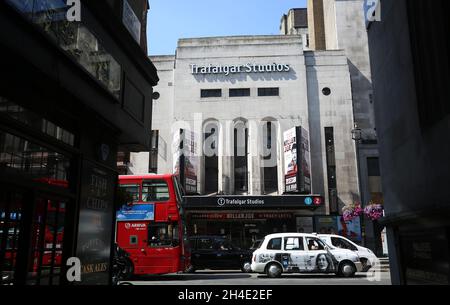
(76, 86)
(265, 133)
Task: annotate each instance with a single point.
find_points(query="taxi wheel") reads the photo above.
(274, 271)
(246, 267)
(347, 269)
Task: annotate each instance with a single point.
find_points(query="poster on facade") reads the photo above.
(305, 162)
(290, 159)
(297, 168)
(350, 229)
(186, 159)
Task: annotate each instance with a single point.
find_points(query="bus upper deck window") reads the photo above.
(155, 191)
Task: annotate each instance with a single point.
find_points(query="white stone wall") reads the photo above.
(300, 103)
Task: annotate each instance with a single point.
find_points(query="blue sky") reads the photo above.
(169, 20)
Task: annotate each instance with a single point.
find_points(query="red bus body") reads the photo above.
(151, 254)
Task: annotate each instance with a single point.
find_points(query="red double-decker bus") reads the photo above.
(150, 225)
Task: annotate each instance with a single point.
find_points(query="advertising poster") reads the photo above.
(297, 161)
(305, 162)
(95, 224)
(350, 229)
(326, 225)
(290, 160)
(136, 212)
(186, 159)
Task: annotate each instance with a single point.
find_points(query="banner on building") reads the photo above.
(297, 168)
(186, 159)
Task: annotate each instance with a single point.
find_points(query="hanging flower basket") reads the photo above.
(374, 211)
(352, 211)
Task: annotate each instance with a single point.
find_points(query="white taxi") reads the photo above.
(302, 253)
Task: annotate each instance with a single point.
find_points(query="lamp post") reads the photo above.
(357, 136)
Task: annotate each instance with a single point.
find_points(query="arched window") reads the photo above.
(240, 157)
(270, 157)
(211, 153)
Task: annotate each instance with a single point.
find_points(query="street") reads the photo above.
(209, 277)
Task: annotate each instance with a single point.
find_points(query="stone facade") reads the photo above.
(300, 103)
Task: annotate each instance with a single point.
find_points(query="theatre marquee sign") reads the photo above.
(254, 202)
(235, 69)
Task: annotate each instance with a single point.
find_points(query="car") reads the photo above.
(218, 253)
(302, 253)
(366, 256)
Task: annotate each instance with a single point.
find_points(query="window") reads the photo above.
(239, 92)
(331, 168)
(163, 235)
(204, 244)
(268, 91)
(315, 244)
(293, 243)
(373, 167)
(326, 91)
(133, 240)
(40, 163)
(35, 121)
(76, 39)
(155, 191)
(205, 93)
(153, 157)
(342, 244)
(274, 244)
(132, 190)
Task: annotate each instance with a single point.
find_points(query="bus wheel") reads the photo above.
(246, 267)
(274, 270)
(128, 271)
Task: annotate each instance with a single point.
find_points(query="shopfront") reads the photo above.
(245, 219)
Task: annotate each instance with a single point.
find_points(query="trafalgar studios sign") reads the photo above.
(235, 69)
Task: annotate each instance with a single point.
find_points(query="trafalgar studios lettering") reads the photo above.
(233, 69)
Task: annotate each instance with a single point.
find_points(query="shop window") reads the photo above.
(163, 235)
(155, 191)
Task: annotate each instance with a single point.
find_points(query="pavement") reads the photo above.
(211, 277)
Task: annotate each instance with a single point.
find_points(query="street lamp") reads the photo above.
(357, 136)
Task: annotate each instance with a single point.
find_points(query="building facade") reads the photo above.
(76, 86)
(409, 48)
(239, 97)
(340, 25)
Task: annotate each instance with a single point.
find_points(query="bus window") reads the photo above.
(132, 190)
(163, 235)
(155, 190)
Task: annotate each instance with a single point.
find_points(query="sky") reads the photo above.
(170, 20)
